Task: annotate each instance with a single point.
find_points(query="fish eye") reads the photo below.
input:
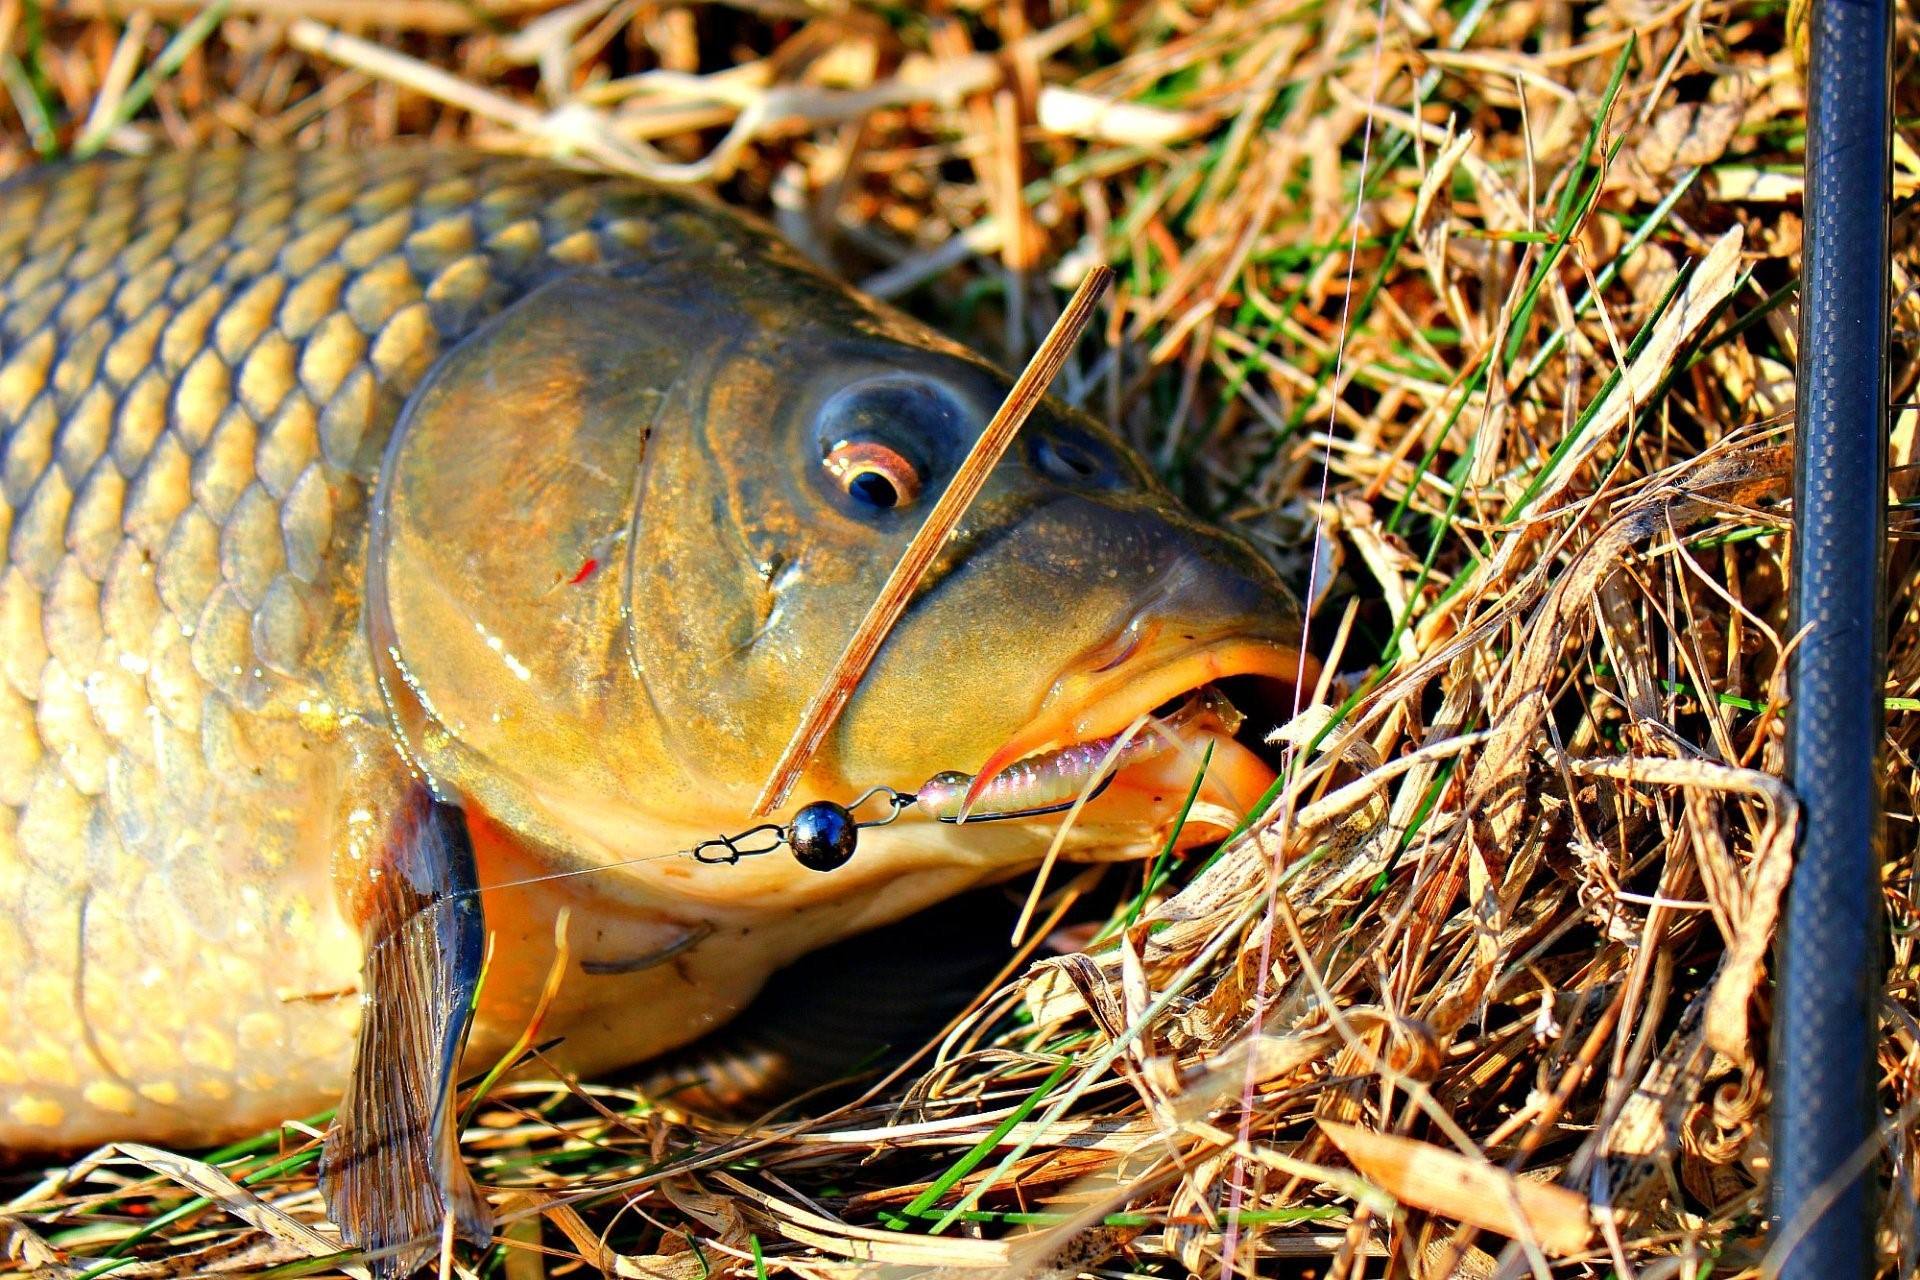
(883, 439)
(873, 474)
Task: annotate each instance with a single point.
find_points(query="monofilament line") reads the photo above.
(834, 692)
(1237, 1179)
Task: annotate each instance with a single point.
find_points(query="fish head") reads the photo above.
(623, 533)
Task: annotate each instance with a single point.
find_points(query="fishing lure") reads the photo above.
(824, 835)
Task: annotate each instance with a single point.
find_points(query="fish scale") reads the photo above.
(201, 358)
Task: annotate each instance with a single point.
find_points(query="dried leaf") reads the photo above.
(1467, 1190)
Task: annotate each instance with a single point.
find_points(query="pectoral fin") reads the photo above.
(391, 1171)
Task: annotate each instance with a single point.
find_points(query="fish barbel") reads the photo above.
(325, 475)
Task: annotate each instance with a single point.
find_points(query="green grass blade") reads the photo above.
(140, 92)
(976, 1156)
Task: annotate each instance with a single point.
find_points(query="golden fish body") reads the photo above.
(322, 473)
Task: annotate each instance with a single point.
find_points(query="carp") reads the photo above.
(395, 538)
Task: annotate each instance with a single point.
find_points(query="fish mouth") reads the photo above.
(1137, 719)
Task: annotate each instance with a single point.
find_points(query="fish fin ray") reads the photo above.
(391, 1170)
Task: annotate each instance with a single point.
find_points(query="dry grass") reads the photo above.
(1533, 399)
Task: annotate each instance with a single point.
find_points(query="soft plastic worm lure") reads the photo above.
(823, 835)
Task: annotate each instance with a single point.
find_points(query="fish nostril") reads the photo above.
(1066, 462)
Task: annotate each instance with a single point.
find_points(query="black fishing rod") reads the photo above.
(1826, 1116)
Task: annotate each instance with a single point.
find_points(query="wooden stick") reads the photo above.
(832, 697)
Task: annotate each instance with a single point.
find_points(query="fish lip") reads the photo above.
(1101, 697)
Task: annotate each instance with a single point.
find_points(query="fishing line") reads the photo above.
(1236, 1196)
(755, 841)
(822, 835)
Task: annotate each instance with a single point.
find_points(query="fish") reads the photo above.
(411, 552)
